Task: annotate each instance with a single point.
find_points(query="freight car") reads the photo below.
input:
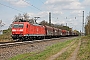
(26, 31)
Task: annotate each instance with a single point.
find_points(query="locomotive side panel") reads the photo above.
(39, 30)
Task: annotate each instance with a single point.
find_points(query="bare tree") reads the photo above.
(87, 26)
(1, 24)
(17, 18)
(23, 18)
(26, 16)
(44, 22)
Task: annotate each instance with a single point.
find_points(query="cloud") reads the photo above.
(41, 14)
(18, 3)
(63, 5)
(86, 2)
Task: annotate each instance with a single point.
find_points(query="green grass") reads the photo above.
(68, 52)
(84, 52)
(20, 57)
(49, 51)
(6, 36)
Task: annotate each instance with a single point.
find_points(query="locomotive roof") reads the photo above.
(20, 22)
(29, 23)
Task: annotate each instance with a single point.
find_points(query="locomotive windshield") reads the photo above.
(18, 26)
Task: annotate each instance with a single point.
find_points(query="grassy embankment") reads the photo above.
(6, 36)
(49, 51)
(84, 52)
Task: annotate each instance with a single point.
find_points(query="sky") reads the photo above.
(62, 11)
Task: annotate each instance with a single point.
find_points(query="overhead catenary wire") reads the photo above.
(42, 1)
(32, 5)
(47, 6)
(11, 7)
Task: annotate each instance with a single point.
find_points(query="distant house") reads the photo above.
(1, 32)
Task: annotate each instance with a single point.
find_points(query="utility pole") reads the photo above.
(83, 24)
(66, 24)
(50, 18)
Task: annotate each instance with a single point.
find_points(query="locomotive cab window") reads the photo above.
(18, 26)
(15, 26)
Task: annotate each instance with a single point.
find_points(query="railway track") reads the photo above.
(15, 43)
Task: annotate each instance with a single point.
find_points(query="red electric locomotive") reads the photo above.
(25, 30)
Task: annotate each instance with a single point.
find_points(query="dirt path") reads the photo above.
(73, 56)
(53, 57)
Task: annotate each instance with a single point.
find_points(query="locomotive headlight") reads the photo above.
(13, 30)
(21, 29)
